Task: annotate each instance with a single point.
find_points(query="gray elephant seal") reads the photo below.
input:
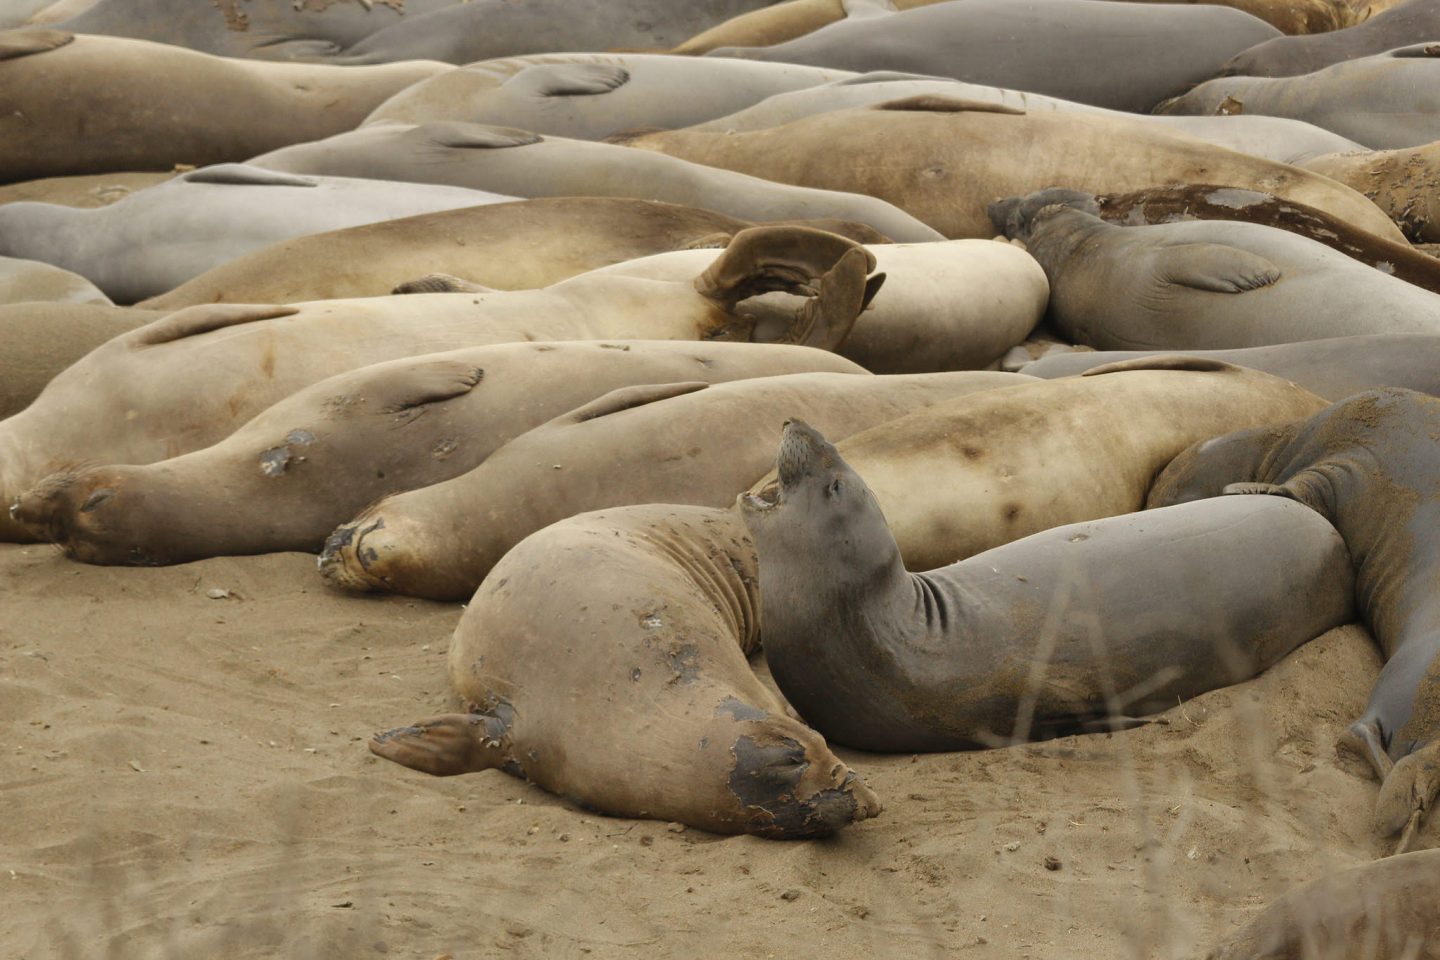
(1292, 56)
(1080, 625)
(1370, 465)
(661, 717)
(1201, 284)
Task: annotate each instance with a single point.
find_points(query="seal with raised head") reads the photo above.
(287, 478)
(1087, 624)
(626, 689)
(667, 443)
(1291, 56)
(1202, 284)
(1371, 466)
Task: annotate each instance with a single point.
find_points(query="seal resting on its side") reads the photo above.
(1083, 624)
(1370, 465)
(604, 660)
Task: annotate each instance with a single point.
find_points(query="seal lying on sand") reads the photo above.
(604, 660)
(286, 479)
(1202, 284)
(1292, 56)
(658, 444)
(190, 379)
(1370, 465)
(1082, 624)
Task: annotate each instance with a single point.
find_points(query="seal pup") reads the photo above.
(1403, 183)
(86, 104)
(1201, 284)
(667, 443)
(591, 96)
(1291, 56)
(190, 379)
(604, 660)
(157, 238)
(506, 246)
(1370, 466)
(1385, 101)
(1124, 56)
(944, 160)
(1077, 627)
(299, 469)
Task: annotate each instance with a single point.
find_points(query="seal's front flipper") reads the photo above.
(444, 746)
(1363, 738)
(865, 9)
(941, 103)
(568, 79)
(204, 318)
(440, 283)
(1266, 489)
(627, 398)
(244, 175)
(827, 318)
(23, 43)
(428, 382)
(1408, 793)
(474, 136)
(1216, 268)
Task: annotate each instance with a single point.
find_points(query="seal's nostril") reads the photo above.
(15, 509)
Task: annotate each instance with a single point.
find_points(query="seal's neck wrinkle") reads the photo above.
(720, 558)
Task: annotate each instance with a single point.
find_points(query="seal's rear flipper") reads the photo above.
(204, 318)
(440, 283)
(863, 9)
(1216, 268)
(827, 318)
(568, 79)
(444, 746)
(1408, 792)
(22, 43)
(768, 259)
(1363, 739)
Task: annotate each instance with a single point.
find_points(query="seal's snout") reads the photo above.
(801, 449)
(1017, 217)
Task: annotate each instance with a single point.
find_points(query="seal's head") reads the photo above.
(89, 514)
(1019, 217)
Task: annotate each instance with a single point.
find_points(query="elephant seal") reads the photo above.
(42, 339)
(298, 470)
(263, 29)
(86, 104)
(1080, 626)
(943, 160)
(487, 29)
(655, 610)
(190, 379)
(1333, 369)
(207, 217)
(1041, 455)
(668, 443)
(1126, 56)
(1368, 464)
(1385, 908)
(1385, 102)
(954, 305)
(1202, 284)
(591, 96)
(31, 280)
(1403, 183)
(507, 246)
(1273, 138)
(522, 164)
(1291, 56)
(1209, 202)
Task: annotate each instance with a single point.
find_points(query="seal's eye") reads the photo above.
(836, 486)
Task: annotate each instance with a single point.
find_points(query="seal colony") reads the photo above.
(512, 304)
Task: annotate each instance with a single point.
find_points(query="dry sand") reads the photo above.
(187, 777)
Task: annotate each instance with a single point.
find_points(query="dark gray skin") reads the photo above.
(262, 29)
(486, 29)
(1333, 369)
(1386, 101)
(985, 652)
(1127, 56)
(1408, 23)
(1371, 466)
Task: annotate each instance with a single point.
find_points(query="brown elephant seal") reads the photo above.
(943, 160)
(1291, 56)
(1369, 465)
(1086, 624)
(668, 443)
(507, 246)
(1210, 202)
(42, 339)
(1202, 284)
(1381, 909)
(648, 630)
(192, 378)
(290, 476)
(86, 104)
(33, 281)
(86, 191)
(1041, 455)
(591, 96)
(1404, 183)
(1333, 369)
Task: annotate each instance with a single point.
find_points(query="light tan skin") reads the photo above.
(85, 190)
(190, 379)
(942, 162)
(644, 616)
(42, 339)
(1404, 183)
(1291, 16)
(664, 444)
(507, 246)
(287, 478)
(1379, 910)
(960, 477)
(87, 105)
(776, 24)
